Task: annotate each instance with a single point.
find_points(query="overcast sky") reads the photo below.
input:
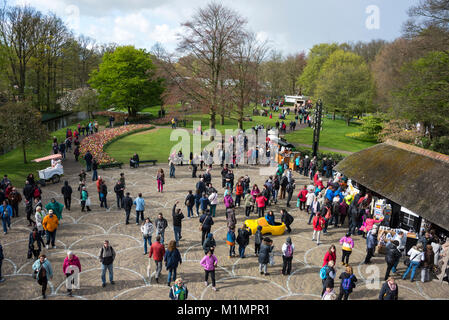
(290, 25)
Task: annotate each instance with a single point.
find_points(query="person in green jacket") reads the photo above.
(56, 207)
(85, 202)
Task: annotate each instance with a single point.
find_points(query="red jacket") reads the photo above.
(239, 190)
(329, 257)
(302, 195)
(261, 201)
(157, 250)
(320, 224)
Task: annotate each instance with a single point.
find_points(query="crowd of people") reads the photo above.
(326, 200)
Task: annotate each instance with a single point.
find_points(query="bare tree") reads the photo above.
(209, 37)
(293, 67)
(243, 70)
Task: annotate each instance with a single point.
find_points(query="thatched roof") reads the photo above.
(410, 176)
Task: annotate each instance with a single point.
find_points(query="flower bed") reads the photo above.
(96, 143)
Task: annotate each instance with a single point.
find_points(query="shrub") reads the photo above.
(361, 136)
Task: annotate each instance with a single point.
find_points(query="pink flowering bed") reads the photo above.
(97, 142)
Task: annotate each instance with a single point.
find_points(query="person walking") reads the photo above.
(177, 222)
(213, 201)
(14, 198)
(302, 196)
(243, 239)
(94, 170)
(327, 275)
(107, 257)
(157, 251)
(416, 255)
(85, 200)
(348, 280)
(35, 244)
(209, 263)
(119, 190)
(261, 202)
(288, 249)
(42, 272)
(231, 220)
(66, 191)
(318, 225)
(40, 214)
(206, 225)
(238, 193)
(209, 244)
(389, 290)
(172, 259)
(330, 255)
(71, 263)
(88, 158)
(346, 249)
(103, 195)
(147, 229)
(204, 202)
(197, 201)
(139, 202)
(287, 219)
(230, 241)
(258, 237)
(160, 177)
(428, 263)
(50, 224)
(161, 225)
(127, 205)
(249, 203)
(6, 215)
(56, 207)
(392, 258)
(190, 202)
(172, 167)
(264, 255)
(179, 290)
(290, 188)
(371, 243)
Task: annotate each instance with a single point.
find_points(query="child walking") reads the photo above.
(230, 240)
(209, 263)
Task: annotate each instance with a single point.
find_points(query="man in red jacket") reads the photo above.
(157, 250)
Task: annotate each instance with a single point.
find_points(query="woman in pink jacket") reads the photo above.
(70, 266)
(209, 263)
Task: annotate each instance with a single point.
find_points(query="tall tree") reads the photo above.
(21, 124)
(208, 37)
(293, 67)
(124, 80)
(19, 34)
(274, 75)
(315, 60)
(345, 85)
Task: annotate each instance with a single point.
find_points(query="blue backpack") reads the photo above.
(347, 283)
(323, 272)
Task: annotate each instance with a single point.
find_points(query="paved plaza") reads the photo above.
(83, 233)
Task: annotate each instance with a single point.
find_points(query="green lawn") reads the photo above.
(12, 164)
(154, 145)
(332, 136)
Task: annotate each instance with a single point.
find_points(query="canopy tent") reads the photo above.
(410, 176)
(51, 157)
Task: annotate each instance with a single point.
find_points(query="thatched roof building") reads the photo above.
(413, 177)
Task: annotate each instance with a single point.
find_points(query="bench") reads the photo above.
(147, 161)
(111, 165)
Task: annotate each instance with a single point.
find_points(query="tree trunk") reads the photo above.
(348, 121)
(333, 115)
(24, 153)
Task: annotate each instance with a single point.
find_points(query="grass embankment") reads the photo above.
(12, 164)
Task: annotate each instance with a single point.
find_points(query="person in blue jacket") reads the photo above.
(172, 258)
(204, 202)
(139, 202)
(6, 214)
(270, 218)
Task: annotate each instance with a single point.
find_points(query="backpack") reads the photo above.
(347, 283)
(36, 192)
(289, 251)
(323, 273)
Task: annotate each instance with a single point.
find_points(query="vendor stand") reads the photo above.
(52, 173)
